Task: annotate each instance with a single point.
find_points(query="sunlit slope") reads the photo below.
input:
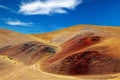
(67, 39)
(90, 49)
(8, 37)
(59, 36)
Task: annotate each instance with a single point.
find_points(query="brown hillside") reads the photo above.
(85, 52)
(58, 37)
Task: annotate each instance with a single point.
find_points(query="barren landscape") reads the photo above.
(81, 52)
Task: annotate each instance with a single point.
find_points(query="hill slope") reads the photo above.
(84, 49)
(58, 37)
(8, 37)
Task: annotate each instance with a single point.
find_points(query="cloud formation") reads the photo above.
(47, 7)
(4, 7)
(19, 23)
(1, 6)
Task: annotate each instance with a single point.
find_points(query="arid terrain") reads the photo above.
(81, 52)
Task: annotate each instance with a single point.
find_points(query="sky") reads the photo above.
(40, 16)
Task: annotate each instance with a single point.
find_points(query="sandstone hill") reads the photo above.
(76, 53)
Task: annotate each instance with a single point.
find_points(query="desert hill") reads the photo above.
(85, 51)
(8, 37)
(55, 37)
(90, 46)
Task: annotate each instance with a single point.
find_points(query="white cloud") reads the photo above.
(18, 23)
(1, 6)
(48, 6)
(4, 7)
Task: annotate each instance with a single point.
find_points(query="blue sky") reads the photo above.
(39, 16)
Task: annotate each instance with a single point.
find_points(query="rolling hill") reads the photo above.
(66, 33)
(76, 53)
(8, 37)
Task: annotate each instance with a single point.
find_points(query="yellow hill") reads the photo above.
(8, 37)
(109, 46)
(52, 37)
